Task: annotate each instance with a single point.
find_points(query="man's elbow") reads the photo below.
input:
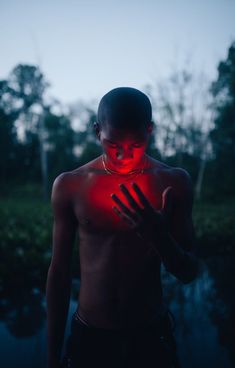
(61, 272)
(187, 279)
(193, 271)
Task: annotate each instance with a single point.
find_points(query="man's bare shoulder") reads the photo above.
(60, 186)
(157, 166)
(175, 176)
(64, 182)
(181, 179)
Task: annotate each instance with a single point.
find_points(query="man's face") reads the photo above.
(123, 148)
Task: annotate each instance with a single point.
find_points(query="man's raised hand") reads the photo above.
(147, 222)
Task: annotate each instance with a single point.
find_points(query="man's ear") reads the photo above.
(97, 129)
(150, 127)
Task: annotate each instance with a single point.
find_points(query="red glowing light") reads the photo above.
(96, 203)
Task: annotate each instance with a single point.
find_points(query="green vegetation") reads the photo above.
(215, 227)
(26, 243)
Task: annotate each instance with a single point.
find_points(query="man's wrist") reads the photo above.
(170, 253)
(167, 246)
(180, 263)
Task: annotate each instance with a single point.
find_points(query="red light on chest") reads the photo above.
(97, 201)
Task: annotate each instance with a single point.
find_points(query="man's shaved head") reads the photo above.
(125, 107)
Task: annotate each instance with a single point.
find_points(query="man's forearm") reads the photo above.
(58, 290)
(183, 265)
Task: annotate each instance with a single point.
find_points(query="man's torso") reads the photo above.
(120, 274)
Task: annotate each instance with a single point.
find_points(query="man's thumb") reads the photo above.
(167, 201)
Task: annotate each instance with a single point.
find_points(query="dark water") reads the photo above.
(204, 313)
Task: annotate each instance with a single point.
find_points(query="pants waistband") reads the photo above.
(163, 315)
(77, 317)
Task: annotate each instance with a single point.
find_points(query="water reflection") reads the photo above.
(197, 335)
(24, 313)
(222, 300)
(204, 313)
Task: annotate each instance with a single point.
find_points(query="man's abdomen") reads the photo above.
(107, 302)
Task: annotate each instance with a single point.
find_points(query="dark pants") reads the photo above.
(152, 346)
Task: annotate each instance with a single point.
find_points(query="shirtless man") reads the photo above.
(132, 214)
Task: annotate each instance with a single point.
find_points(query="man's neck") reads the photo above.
(108, 165)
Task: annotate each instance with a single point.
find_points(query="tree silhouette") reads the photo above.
(223, 134)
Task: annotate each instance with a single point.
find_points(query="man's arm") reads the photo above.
(169, 232)
(177, 248)
(58, 287)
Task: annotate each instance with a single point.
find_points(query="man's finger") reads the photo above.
(142, 197)
(124, 208)
(124, 216)
(130, 199)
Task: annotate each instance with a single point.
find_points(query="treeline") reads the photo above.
(194, 129)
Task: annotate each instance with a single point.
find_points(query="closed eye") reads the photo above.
(112, 145)
(137, 145)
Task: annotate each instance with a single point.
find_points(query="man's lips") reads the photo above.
(125, 164)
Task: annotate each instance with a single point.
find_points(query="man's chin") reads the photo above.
(124, 169)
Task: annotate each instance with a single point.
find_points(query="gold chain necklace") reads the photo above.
(125, 176)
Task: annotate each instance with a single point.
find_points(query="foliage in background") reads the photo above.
(26, 243)
(223, 134)
(39, 140)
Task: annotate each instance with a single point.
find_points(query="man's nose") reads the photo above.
(124, 153)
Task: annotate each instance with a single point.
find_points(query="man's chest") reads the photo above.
(93, 205)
